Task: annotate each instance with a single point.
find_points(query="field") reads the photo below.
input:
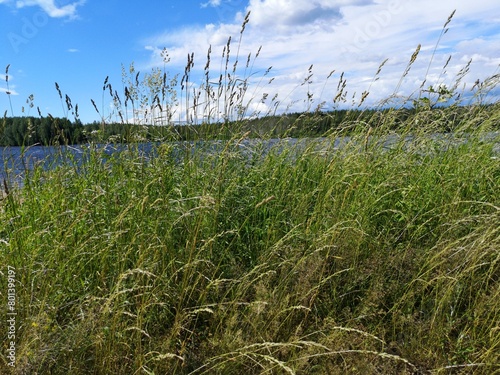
(296, 260)
(310, 259)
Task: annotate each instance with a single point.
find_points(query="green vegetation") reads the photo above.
(299, 260)
(295, 259)
(28, 131)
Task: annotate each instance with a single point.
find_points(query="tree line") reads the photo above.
(27, 131)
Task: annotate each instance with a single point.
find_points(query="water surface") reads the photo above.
(18, 161)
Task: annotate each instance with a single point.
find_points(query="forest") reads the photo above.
(28, 131)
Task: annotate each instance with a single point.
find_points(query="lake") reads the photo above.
(18, 160)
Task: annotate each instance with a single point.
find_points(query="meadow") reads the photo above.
(315, 259)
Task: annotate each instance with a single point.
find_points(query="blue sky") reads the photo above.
(79, 43)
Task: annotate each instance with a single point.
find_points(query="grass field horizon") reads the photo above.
(286, 260)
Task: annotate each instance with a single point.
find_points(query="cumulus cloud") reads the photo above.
(211, 3)
(285, 14)
(50, 7)
(11, 91)
(350, 36)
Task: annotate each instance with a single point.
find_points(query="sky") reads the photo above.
(310, 44)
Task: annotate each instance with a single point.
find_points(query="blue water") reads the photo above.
(18, 161)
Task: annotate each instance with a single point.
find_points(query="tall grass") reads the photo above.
(376, 256)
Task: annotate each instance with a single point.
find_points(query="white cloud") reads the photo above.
(49, 7)
(211, 3)
(351, 36)
(11, 91)
(12, 87)
(292, 15)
